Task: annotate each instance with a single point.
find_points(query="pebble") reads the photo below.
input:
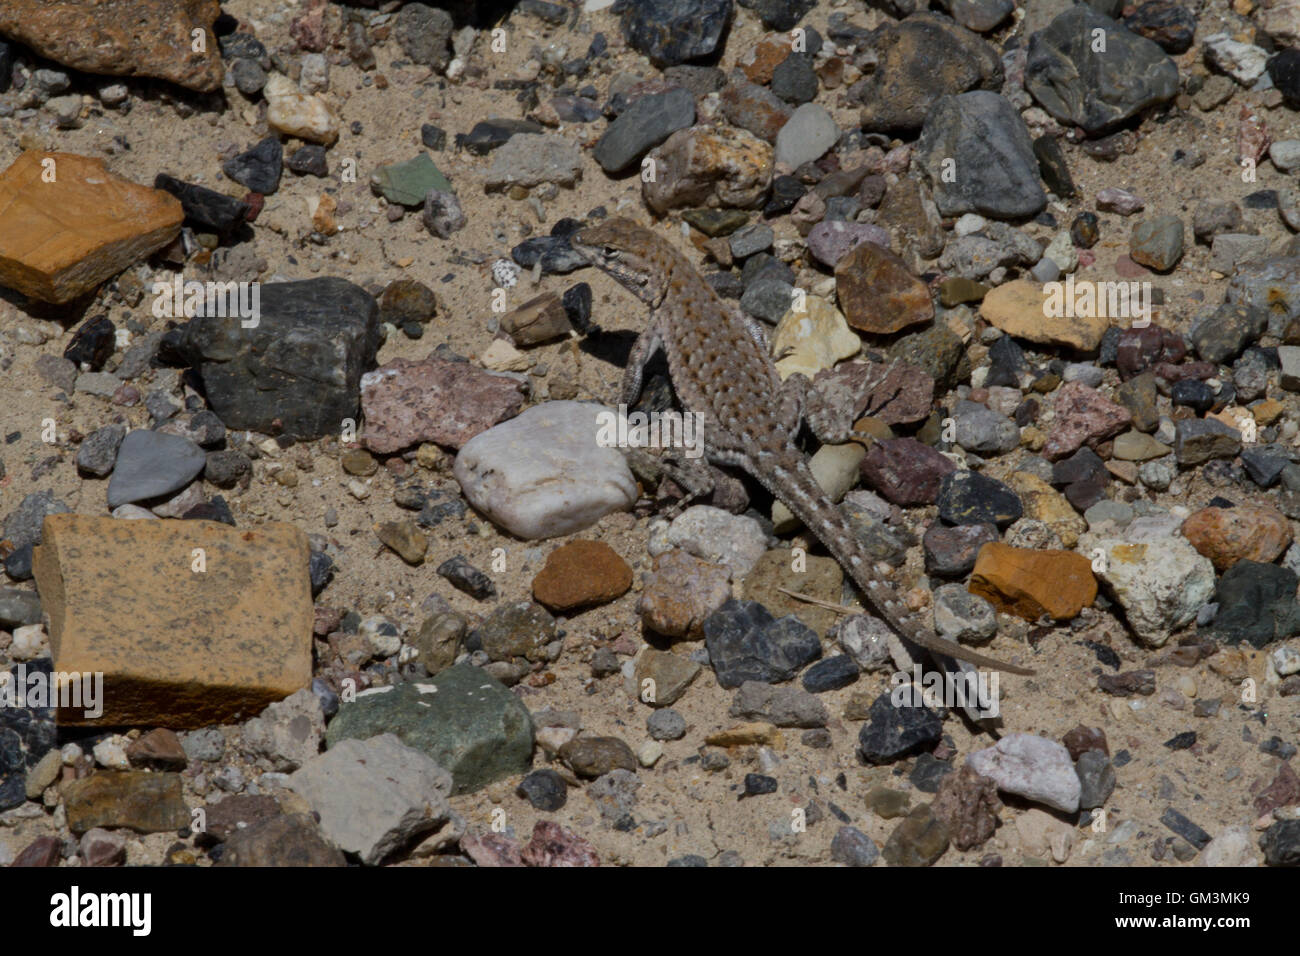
(668, 724)
(1256, 604)
(1245, 532)
(830, 674)
(1071, 78)
(1031, 583)
(544, 790)
(592, 757)
(660, 678)
(968, 497)
(258, 168)
(1160, 585)
(152, 465)
(962, 616)
(580, 574)
(851, 847)
(466, 578)
(294, 113)
(892, 732)
(975, 124)
(1032, 767)
(746, 643)
(918, 841)
(807, 134)
(642, 126)
(714, 535)
(878, 293)
(676, 31)
(680, 592)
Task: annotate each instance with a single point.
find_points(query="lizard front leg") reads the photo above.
(644, 348)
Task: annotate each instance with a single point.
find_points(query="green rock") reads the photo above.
(939, 352)
(918, 841)
(408, 183)
(464, 718)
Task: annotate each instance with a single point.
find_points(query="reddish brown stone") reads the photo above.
(581, 573)
(1082, 739)
(1282, 792)
(159, 749)
(680, 592)
(878, 294)
(145, 802)
(407, 402)
(1139, 349)
(43, 851)
(121, 37)
(905, 471)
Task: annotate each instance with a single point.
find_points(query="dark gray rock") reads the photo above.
(98, 452)
(674, 31)
(976, 152)
(968, 497)
(642, 126)
(302, 363)
(1091, 88)
(258, 168)
(893, 731)
(746, 643)
(424, 34)
(151, 465)
(1257, 604)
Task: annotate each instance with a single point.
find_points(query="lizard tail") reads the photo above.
(793, 483)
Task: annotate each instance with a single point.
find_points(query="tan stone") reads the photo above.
(122, 37)
(540, 319)
(680, 592)
(1030, 583)
(1044, 503)
(178, 647)
(755, 732)
(145, 802)
(709, 166)
(820, 578)
(1019, 308)
(61, 239)
(812, 339)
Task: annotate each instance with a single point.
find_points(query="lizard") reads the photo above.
(720, 369)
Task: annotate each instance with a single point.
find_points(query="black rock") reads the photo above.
(26, 733)
(241, 46)
(674, 31)
(1185, 828)
(205, 209)
(545, 790)
(92, 344)
(1006, 362)
(786, 191)
(308, 160)
(1256, 604)
(22, 526)
(553, 13)
(928, 773)
(18, 565)
(1096, 779)
(689, 860)
(1070, 77)
(465, 577)
(1261, 199)
(1181, 741)
(780, 15)
(258, 168)
(321, 569)
(893, 731)
(1284, 71)
(553, 252)
(1281, 843)
(98, 451)
(746, 643)
(298, 371)
(7, 56)
(1166, 23)
(488, 134)
(1053, 167)
(830, 674)
(433, 137)
(424, 33)
(757, 784)
(794, 79)
(968, 497)
(577, 306)
(1193, 393)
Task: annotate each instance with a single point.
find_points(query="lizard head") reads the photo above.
(629, 252)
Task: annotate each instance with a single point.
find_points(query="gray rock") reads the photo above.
(977, 155)
(1228, 249)
(982, 430)
(1033, 767)
(1091, 88)
(666, 724)
(1096, 779)
(806, 135)
(1157, 242)
(1221, 334)
(1197, 440)
(782, 706)
(301, 364)
(851, 847)
(424, 34)
(962, 616)
(19, 608)
(374, 796)
(1272, 285)
(642, 126)
(151, 464)
(746, 643)
(674, 31)
(287, 733)
(767, 299)
(442, 214)
(98, 453)
(529, 161)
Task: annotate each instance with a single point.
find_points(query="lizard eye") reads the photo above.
(611, 253)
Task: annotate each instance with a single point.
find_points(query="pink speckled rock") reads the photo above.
(1082, 415)
(407, 402)
(553, 845)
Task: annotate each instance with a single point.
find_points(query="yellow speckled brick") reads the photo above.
(177, 647)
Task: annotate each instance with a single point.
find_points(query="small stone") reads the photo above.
(1032, 767)
(144, 802)
(545, 790)
(1030, 583)
(746, 643)
(851, 847)
(592, 757)
(918, 841)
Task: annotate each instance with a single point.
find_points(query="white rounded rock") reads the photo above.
(546, 472)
